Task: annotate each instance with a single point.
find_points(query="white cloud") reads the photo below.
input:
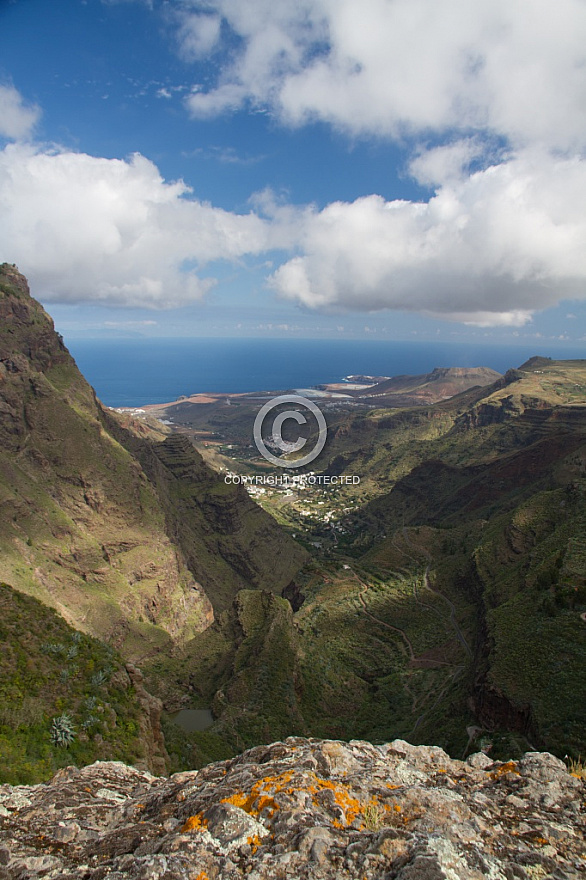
(489, 248)
(408, 66)
(17, 119)
(198, 35)
(502, 237)
(112, 231)
(501, 81)
(205, 105)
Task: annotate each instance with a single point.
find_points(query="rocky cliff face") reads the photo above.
(228, 541)
(81, 527)
(302, 808)
(151, 734)
(104, 535)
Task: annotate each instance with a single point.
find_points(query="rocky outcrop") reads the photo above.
(302, 808)
(151, 732)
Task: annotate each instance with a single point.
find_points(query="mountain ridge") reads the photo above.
(441, 383)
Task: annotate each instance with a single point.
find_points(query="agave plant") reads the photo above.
(62, 730)
(101, 676)
(56, 648)
(90, 721)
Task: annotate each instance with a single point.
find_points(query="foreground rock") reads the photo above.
(302, 809)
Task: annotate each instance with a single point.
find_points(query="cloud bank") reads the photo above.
(113, 231)
(401, 67)
(488, 249)
(503, 235)
(501, 84)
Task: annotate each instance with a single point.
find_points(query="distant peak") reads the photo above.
(535, 362)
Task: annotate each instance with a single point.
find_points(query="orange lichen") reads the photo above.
(253, 803)
(394, 815)
(350, 806)
(195, 823)
(259, 799)
(254, 842)
(508, 767)
(202, 876)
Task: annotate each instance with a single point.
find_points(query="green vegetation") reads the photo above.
(121, 532)
(49, 720)
(227, 541)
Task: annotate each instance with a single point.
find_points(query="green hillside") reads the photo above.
(52, 676)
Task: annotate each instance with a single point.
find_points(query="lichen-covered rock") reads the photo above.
(302, 809)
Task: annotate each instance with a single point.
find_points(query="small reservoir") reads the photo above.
(193, 719)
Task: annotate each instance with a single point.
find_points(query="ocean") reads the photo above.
(134, 372)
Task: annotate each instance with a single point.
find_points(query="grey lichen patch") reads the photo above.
(302, 808)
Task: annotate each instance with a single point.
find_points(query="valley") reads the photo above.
(444, 596)
(437, 598)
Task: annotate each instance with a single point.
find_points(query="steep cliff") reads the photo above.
(228, 541)
(130, 540)
(81, 527)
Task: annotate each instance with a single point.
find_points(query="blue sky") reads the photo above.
(389, 168)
